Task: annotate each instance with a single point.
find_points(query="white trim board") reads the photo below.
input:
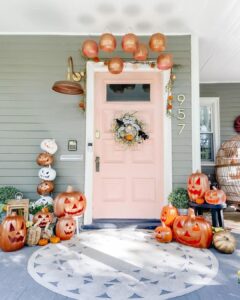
(92, 68)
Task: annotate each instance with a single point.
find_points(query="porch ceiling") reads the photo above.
(215, 22)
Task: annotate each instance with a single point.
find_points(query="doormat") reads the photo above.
(121, 264)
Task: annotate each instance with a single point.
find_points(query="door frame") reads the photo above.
(92, 69)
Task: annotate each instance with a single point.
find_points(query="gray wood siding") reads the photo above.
(30, 111)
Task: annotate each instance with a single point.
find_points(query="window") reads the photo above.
(128, 92)
(209, 129)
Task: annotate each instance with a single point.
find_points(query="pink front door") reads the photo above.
(129, 182)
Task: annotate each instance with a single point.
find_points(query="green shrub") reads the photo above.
(7, 193)
(179, 198)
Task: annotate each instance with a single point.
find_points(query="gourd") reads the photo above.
(33, 234)
(197, 185)
(13, 233)
(163, 234)
(215, 196)
(71, 203)
(168, 214)
(54, 239)
(192, 230)
(43, 242)
(224, 242)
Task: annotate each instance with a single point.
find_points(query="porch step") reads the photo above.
(122, 223)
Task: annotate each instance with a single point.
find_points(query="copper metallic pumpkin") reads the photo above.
(71, 203)
(168, 214)
(141, 53)
(65, 228)
(45, 187)
(107, 42)
(224, 242)
(215, 196)
(90, 49)
(13, 233)
(163, 234)
(197, 186)
(43, 217)
(130, 43)
(165, 62)
(115, 65)
(157, 42)
(45, 159)
(192, 230)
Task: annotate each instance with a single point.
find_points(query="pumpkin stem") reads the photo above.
(45, 210)
(14, 213)
(69, 189)
(191, 213)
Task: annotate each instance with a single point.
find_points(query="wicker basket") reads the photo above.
(228, 169)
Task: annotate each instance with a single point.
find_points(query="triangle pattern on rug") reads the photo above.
(135, 296)
(76, 291)
(104, 296)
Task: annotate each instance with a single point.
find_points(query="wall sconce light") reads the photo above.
(71, 86)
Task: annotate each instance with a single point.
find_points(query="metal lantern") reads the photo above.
(107, 42)
(115, 65)
(228, 169)
(157, 42)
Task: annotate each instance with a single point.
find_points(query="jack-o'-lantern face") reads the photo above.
(45, 187)
(168, 215)
(49, 146)
(12, 233)
(43, 218)
(192, 231)
(70, 203)
(215, 196)
(65, 228)
(45, 159)
(47, 174)
(197, 186)
(163, 234)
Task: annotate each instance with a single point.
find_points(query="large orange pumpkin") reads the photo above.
(168, 214)
(65, 228)
(163, 234)
(13, 233)
(193, 230)
(198, 184)
(44, 217)
(215, 196)
(71, 203)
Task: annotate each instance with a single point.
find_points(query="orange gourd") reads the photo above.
(192, 230)
(197, 185)
(215, 196)
(70, 203)
(43, 242)
(163, 234)
(13, 233)
(168, 214)
(65, 228)
(54, 239)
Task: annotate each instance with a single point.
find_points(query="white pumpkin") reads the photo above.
(48, 174)
(49, 146)
(44, 200)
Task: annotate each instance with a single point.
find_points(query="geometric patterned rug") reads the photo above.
(121, 264)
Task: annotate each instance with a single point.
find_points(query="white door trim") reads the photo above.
(92, 68)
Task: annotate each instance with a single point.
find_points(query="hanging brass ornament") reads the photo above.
(107, 42)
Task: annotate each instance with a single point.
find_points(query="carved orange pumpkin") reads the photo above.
(45, 159)
(45, 187)
(163, 234)
(71, 203)
(130, 43)
(197, 186)
(192, 230)
(215, 196)
(43, 217)
(13, 233)
(65, 228)
(168, 214)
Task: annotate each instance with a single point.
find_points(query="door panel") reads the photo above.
(129, 183)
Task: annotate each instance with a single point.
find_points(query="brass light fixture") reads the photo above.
(71, 86)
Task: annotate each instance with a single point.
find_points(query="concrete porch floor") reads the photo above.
(15, 282)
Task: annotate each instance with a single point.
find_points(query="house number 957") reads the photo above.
(181, 116)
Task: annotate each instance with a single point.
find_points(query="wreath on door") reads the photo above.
(129, 130)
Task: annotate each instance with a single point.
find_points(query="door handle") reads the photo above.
(97, 163)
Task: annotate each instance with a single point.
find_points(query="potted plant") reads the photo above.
(179, 198)
(6, 193)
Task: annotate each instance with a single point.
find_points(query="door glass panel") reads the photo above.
(205, 119)
(206, 141)
(128, 92)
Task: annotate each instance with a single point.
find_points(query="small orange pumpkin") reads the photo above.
(65, 228)
(168, 214)
(192, 230)
(54, 239)
(129, 137)
(45, 187)
(199, 200)
(163, 234)
(215, 196)
(44, 216)
(198, 184)
(43, 242)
